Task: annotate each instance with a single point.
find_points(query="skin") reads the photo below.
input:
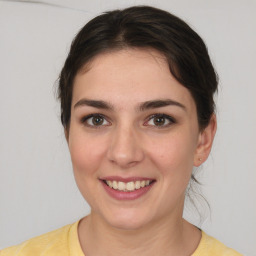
(128, 143)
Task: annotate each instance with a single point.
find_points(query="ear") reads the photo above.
(205, 141)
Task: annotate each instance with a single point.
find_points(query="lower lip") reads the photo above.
(131, 195)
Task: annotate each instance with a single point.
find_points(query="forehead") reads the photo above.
(129, 76)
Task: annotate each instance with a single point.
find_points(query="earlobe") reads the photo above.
(205, 142)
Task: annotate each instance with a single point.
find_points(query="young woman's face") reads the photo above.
(133, 138)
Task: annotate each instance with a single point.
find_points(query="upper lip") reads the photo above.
(127, 179)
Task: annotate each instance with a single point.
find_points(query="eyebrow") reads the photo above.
(94, 103)
(152, 104)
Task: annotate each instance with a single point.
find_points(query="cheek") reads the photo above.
(85, 153)
(173, 157)
(86, 156)
(173, 151)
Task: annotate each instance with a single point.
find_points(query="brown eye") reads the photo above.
(160, 120)
(95, 120)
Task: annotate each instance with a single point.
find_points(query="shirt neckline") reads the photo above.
(75, 246)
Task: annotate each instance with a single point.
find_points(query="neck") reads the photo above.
(168, 236)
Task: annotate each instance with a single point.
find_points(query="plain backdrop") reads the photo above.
(37, 188)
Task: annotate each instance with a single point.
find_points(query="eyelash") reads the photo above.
(170, 119)
(85, 119)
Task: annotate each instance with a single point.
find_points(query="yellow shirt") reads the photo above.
(65, 242)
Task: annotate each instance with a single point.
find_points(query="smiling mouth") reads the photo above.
(128, 186)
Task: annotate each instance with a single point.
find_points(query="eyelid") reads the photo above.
(169, 118)
(87, 117)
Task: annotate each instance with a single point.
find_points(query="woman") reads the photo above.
(137, 107)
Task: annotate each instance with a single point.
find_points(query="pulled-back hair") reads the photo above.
(144, 27)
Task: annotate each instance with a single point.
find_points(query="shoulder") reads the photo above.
(52, 243)
(211, 246)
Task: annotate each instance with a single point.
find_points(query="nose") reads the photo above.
(125, 149)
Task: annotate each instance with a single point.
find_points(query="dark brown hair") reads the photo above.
(144, 27)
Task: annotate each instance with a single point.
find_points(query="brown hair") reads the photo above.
(144, 27)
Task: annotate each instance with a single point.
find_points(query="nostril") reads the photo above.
(125, 148)
(127, 158)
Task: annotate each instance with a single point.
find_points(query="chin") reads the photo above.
(129, 224)
(128, 219)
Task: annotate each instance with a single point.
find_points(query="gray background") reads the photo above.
(37, 189)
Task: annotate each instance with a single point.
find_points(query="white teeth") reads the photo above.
(109, 183)
(137, 184)
(121, 185)
(129, 186)
(115, 185)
